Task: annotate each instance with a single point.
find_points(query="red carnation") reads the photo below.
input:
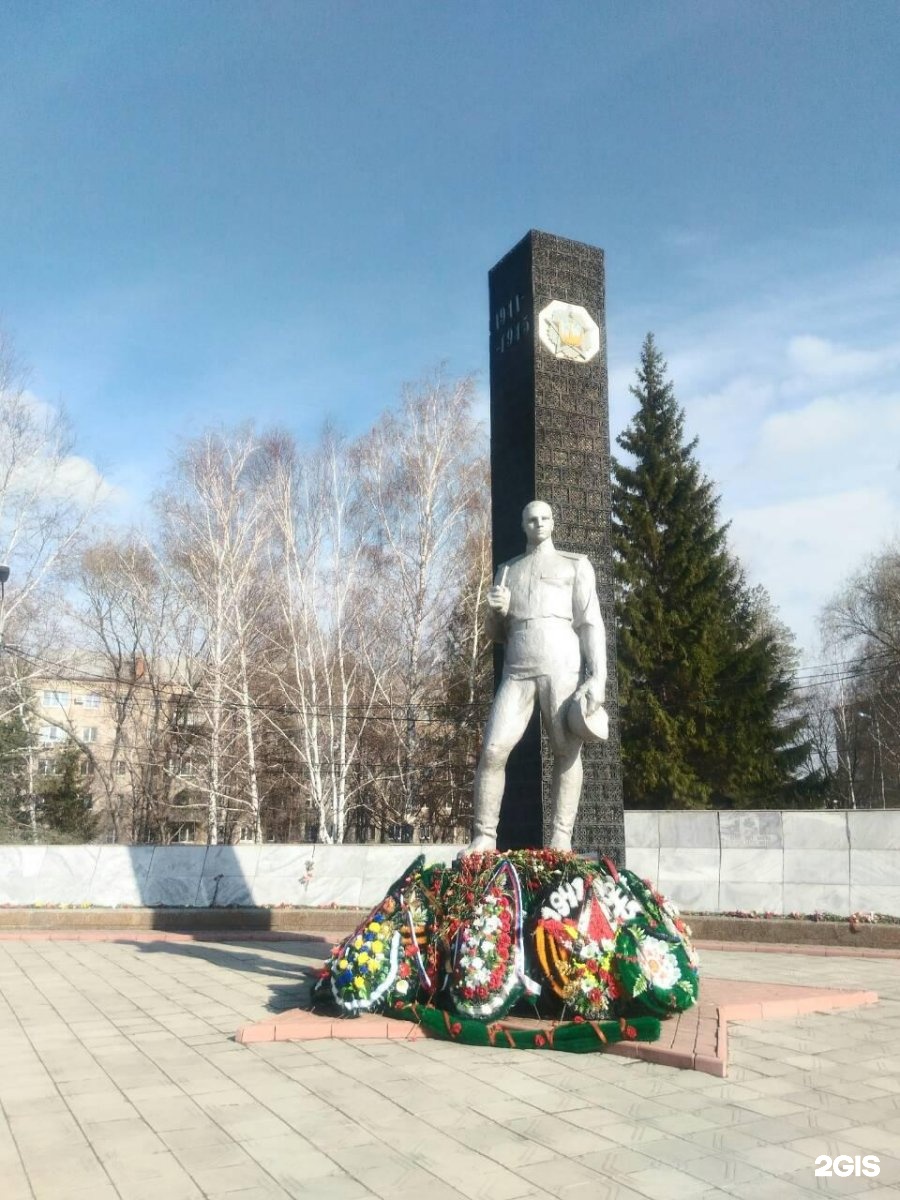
(540, 1040)
(578, 1019)
(398, 1004)
(456, 1029)
(595, 996)
(470, 897)
(481, 992)
(404, 970)
(630, 1031)
(324, 973)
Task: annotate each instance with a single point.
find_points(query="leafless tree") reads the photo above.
(214, 537)
(47, 494)
(864, 621)
(321, 654)
(420, 471)
(47, 498)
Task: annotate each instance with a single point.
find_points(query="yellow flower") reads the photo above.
(374, 927)
(343, 964)
(357, 943)
(377, 947)
(362, 958)
(359, 982)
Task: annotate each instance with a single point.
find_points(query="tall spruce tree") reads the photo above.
(704, 673)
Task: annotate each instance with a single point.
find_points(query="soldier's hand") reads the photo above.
(498, 599)
(594, 694)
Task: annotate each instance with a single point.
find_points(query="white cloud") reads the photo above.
(825, 361)
(794, 392)
(805, 548)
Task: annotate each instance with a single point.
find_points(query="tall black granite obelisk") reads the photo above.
(550, 441)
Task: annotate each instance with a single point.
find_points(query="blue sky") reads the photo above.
(211, 211)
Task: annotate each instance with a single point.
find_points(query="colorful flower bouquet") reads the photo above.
(592, 950)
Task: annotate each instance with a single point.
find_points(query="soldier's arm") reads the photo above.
(591, 632)
(494, 623)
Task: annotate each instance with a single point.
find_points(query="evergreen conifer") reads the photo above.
(705, 675)
(66, 811)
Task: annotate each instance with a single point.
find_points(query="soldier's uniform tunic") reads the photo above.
(553, 595)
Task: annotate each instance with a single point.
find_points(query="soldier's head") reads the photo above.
(537, 521)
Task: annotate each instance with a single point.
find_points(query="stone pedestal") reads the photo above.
(550, 441)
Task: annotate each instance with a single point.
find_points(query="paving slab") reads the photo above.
(121, 1078)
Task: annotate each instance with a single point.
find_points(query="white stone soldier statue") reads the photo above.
(544, 608)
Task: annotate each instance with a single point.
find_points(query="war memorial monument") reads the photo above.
(585, 952)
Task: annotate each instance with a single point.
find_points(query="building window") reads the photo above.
(91, 700)
(55, 699)
(121, 768)
(51, 733)
(89, 733)
(184, 832)
(86, 767)
(46, 766)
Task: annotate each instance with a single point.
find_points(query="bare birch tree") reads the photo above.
(864, 620)
(47, 497)
(420, 470)
(214, 537)
(135, 633)
(321, 644)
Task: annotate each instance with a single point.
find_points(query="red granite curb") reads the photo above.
(695, 1040)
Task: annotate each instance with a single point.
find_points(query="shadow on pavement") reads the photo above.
(293, 994)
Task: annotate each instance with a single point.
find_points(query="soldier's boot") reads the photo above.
(490, 779)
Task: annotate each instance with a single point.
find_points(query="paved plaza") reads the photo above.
(120, 1077)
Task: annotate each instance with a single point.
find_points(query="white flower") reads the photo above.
(476, 963)
(658, 963)
(487, 947)
(402, 986)
(589, 950)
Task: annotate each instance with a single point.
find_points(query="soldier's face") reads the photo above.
(537, 521)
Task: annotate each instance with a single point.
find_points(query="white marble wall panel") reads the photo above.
(678, 851)
(174, 876)
(280, 871)
(384, 864)
(693, 864)
(874, 830)
(815, 831)
(644, 862)
(641, 828)
(869, 897)
(830, 867)
(751, 829)
(752, 866)
(699, 829)
(228, 875)
(66, 874)
(807, 898)
(751, 897)
(120, 876)
(693, 895)
(878, 867)
(20, 868)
